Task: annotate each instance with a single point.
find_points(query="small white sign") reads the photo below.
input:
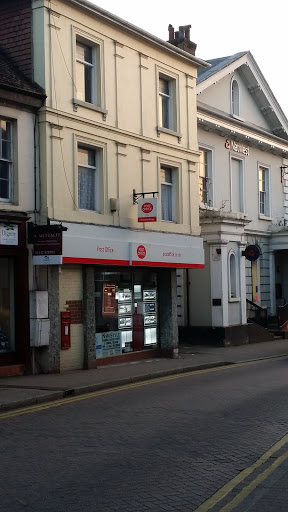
(8, 234)
(108, 344)
(148, 209)
(55, 259)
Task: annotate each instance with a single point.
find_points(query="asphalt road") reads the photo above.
(172, 445)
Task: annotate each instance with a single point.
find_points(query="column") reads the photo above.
(219, 284)
(167, 313)
(242, 279)
(54, 316)
(89, 323)
(273, 311)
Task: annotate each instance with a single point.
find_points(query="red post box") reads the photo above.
(65, 330)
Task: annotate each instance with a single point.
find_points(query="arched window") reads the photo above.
(232, 267)
(235, 98)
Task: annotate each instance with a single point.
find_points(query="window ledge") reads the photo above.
(234, 299)
(79, 103)
(265, 217)
(160, 129)
(169, 221)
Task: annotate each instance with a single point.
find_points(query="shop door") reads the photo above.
(7, 320)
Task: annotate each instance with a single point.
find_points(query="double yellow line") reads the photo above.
(94, 394)
(246, 491)
(227, 488)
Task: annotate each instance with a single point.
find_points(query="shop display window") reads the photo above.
(126, 312)
(7, 337)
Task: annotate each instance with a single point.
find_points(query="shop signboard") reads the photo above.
(47, 247)
(8, 234)
(148, 209)
(108, 344)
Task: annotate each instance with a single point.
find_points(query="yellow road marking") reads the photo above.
(94, 394)
(227, 488)
(249, 488)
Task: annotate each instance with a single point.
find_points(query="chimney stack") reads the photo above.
(181, 38)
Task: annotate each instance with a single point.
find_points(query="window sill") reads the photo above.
(79, 103)
(160, 129)
(234, 299)
(265, 217)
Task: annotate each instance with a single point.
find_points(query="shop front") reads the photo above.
(131, 288)
(14, 295)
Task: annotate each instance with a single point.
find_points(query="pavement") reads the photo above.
(27, 390)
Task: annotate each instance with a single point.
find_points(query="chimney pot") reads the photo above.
(171, 32)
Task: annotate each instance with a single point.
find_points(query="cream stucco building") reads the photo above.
(119, 125)
(243, 143)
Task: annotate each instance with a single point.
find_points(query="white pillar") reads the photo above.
(242, 279)
(219, 284)
(273, 310)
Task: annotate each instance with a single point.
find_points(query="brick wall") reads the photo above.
(15, 32)
(75, 308)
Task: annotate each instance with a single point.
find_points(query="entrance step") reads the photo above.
(11, 370)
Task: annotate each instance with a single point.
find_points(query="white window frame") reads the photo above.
(97, 80)
(98, 169)
(241, 187)
(173, 103)
(8, 161)
(208, 176)
(173, 185)
(267, 192)
(235, 98)
(233, 277)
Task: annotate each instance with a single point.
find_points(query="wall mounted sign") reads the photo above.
(47, 247)
(238, 147)
(8, 234)
(252, 252)
(148, 209)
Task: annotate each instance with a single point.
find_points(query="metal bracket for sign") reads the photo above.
(137, 195)
(284, 171)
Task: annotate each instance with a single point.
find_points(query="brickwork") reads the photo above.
(75, 308)
(15, 33)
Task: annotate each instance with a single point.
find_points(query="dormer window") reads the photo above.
(235, 98)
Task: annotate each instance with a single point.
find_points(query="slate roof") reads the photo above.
(11, 78)
(217, 65)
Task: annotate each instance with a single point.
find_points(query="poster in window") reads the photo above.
(150, 319)
(125, 309)
(125, 322)
(149, 295)
(150, 307)
(125, 295)
(109, 300)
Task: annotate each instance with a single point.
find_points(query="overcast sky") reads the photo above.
(220, 28)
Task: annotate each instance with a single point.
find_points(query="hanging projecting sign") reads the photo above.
(252, 252)
(47, 247)
(148, 209)
(8, 234)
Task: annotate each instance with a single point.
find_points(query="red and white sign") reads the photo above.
(148, 209)
(141, 252)
(103, 245)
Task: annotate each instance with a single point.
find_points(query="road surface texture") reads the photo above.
(210, 440)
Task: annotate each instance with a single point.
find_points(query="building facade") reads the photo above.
(118, 127)
(19, 101)
(242, 135)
